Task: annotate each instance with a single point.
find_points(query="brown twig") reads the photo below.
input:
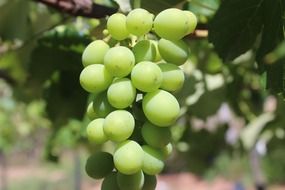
(200, 32)
(85, 8)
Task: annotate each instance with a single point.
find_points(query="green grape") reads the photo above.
(144, 50)
(90, 112)
(176, 52)
(128, 157)
(119, 61)
(119, 125)
(171, 24)
(101, 106)
(95, 133)
(161, 108)
(116, 26)
(173, 77)
(99, 165)
(94, 53)
(105, 32)
(152, 161)
(121, 93)
(167, 150)
(149, 182)
(146, 76)
(156, 136)
(95, 78)
(157, 54)
(192, 20)
(139, 22)
(110, 182)
(130, 182)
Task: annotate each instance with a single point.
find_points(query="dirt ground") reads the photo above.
(180, 181)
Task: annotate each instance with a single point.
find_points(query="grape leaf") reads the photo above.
(14, 19)
(272, 33)
(204, 7)
(234, 28)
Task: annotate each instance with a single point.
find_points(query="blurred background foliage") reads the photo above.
(232, 121)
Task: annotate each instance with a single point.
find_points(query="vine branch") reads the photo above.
(201, 31)
(85, 8)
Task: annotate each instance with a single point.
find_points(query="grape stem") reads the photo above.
(137, 4)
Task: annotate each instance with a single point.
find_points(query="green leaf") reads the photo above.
(274, 77)
(272, 33)
(204, 7)
(14, 19)
(208, 103)
(54, 73)
(235, 26)
(276, 54)
(65, 98)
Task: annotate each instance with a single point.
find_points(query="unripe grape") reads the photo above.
(90, 112)
(144, 50)
(121, 93)
(139, 22)
(128, 157)
(146, 76)
(155, 136)
(110, 182)
(171, 24)
(116, 26)
(130, 182)
(94, 53)
(149, 182)
(101, 105)
(176, 52)
(173, 77)
(161, 108)
(95, 132)
(119, 125)
(153, 160)
(192, 21)
(99, 165)
(95, 78)
(119, 61)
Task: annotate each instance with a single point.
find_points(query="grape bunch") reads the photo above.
(133, 84)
